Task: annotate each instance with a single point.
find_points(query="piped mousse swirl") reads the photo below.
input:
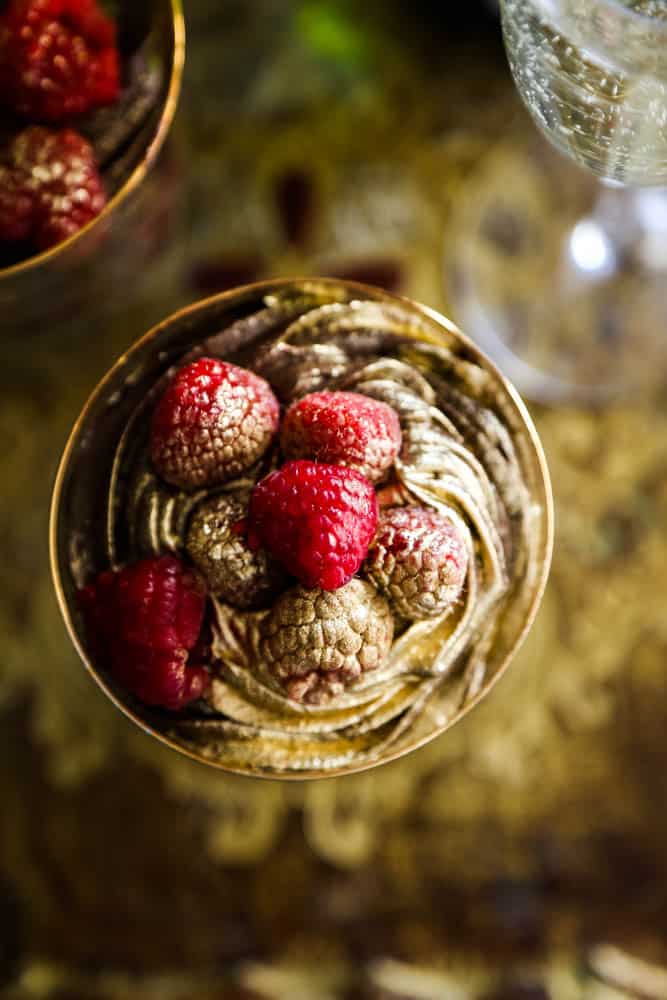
(391, 661)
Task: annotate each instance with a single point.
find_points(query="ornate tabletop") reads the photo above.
(522, 854)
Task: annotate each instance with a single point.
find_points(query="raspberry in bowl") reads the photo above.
(301, 528)
(87, 95)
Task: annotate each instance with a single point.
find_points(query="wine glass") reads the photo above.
(562, 280)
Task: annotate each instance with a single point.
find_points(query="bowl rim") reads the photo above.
(141, 169)
(259, 288)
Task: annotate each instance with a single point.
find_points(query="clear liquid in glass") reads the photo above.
(594, 76)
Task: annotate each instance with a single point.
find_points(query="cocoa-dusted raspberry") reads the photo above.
(216, 543)
(418, 560)
(143, 622)
(343, 428)
(317, 520)
(213, 422)
(316, 643)
(58, 58)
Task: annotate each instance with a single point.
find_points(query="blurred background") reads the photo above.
(523, 856)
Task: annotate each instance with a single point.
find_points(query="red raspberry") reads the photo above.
(49, 187)
(159, 678)
(343, 428)
(58, 58)
(317, 520)
(213, 422)
(143, 622)
(418, 560)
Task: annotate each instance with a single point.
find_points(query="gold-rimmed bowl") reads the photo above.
(51, 288)
(81, 535)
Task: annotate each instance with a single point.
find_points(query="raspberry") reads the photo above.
(49, 187)
(418, 560)
(58, 58)
(157, 677)
(343, 428)
(143, 621)
(317, 643)
(217, 545)
(213, 422)
(317, 520)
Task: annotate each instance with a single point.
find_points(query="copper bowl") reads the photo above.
(52, 286)
(79, 515)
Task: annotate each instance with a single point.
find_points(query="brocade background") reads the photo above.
(521, 856)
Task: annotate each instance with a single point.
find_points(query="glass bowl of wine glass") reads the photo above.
(560, 272)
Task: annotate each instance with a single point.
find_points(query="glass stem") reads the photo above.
(627, 229)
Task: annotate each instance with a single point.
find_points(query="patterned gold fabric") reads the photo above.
(521, 851)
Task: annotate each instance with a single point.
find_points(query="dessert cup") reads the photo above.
(49, 289)
(468, 443)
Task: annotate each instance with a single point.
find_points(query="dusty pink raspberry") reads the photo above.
(418, 560)
(343, 428)
(317, 643)
(213, 422)
(317, 520)
(143, 622)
